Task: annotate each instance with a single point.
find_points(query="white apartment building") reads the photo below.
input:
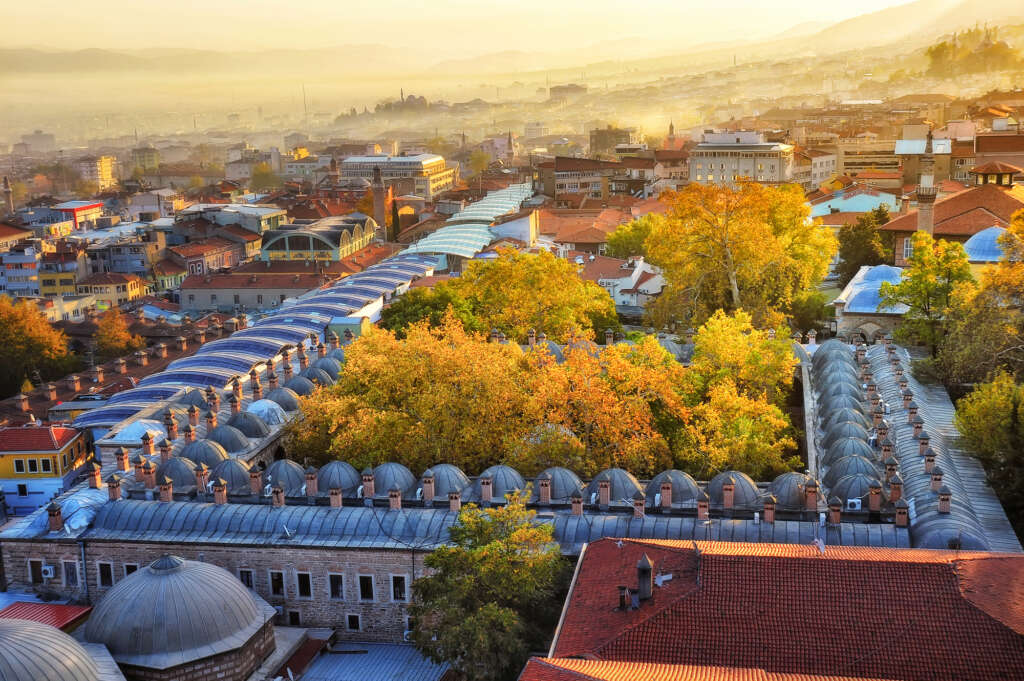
(98, 169)
(431, 174)
(727, 157)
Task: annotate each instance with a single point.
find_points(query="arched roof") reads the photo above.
(882, 273)
(284, 397)
(789, 492)
(249, 424)
(287, 475)
(317, 375)
(842, 430)
(234, 472)
(447, 478)
(745, 492)
(391, 474)
(268, 411)
(856, 486)
(504, 480)
(984, 246)
(329, 365)
(300, 385)
(849, 465)
(229, 437)
(684, 488)
(204, 451)
(337, 475)
(847, 446)
(623, 486)
(564, 483)
(32, 651)
(180, 470)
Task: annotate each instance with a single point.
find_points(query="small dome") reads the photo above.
(831, 403)
(300, 384)
(623, 485)
(229, 437)
(856, 486)
(195, 397)
(585, 345)
(161, 616)
(828, 382)
(842, 384)
(846, 414)
(270, 412)
(745, 492)
(235, 473)
(287, 475)
(337, 354)
(849, 465)
(180, 470)
(884, 273)
(330, 365)
(684, 487)
(984, 246)
(447, 478)
(204, 451)
(563, 484)
(847, 446)
(250, 425)
(32, 651)
(390, 474)
(284, 397)
(337, 475)
(843, 430)
(553, 349)
(788, 490)
(316, 375)
(504, 480)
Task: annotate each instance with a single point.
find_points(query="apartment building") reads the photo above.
(430, 173)
(97, 169)
(727, 157)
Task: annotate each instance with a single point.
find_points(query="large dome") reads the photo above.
(176, 611)
(447, 478)
(204, 451)
(285, 397)
(287, 475)
(30, 651)
(337, 475)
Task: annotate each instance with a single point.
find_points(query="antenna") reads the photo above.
(287, 532)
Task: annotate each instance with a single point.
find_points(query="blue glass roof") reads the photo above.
(984, 246)
(200, 377)
(265, 347)
(358, 287)
(109, 415)
(143, 394)
(216, 360)
(884, 273)
(276, 331)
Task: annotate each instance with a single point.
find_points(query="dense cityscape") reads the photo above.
(570, 356)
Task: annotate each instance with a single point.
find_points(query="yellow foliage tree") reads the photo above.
(29, 344)
(112, 336)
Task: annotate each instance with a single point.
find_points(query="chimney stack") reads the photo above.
(166, 490)
(666, 496)
(923, 442)
(122, 460)
(311, 483)
(335, 496)
(147, 444)
(544, 489)
(55, 516)
(875, 496)
(51, 392)
(236, 406)
(395, 498)
(936, 479)
(604, 493)
(165, 450)
(926, 196)
(728, 493)
(211, 421)
(148, 474)
(94, 475)
(769, 509)
(645, 575)
(255, 482)
(638, 504)
(190, 434)
(891, 466)
(114, 487)
(945, 499)
(220, 491)
(485, 490)
(577, 503)
(835, 511)
(702, 506)
(455, 501)
(276, 496)
(929, 460)
(902, 513)
(368, 484)
(895, 488)
(74, 382)
(202, 477)
(428, 488)
(811, 495)
(193, 416)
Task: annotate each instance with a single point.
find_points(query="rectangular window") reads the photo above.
(19, 465)
(191, 298)
(908, 248)
(293, 618)
(276, 583)
(70, 571)
(33, 465)
(213, 297)
(352, 623)
(398, 592)
(365, 588)
(35, 571)
(304, 583)
(259, 299)
(45, 463)
(245, 577)
(22, 490)
(129, 568)
(106, 571)
(336, 583)
(238, 299)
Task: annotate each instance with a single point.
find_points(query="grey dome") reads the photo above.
(831, 403)
(857, 486)
(195, 397)
(845, 429)
(623, 485)
(684, 487)
(330, 365)
(176, 611)
(846, 414)
(235, 473)
(250, 425)
(564, 483)
(32, 651)
(788, 490)
(745, 492)
(847, 446)
(825, 379)
(587, 346)
(287, 475)
(849, 465)
(390, 474)
(180, 470)
(447, 478)
(300, 384)
(204, 451)
(317, 375)
(337, 354)
(337, 475)
(229, 437)
(553, 349)
(504, 480)
(269, 411)
(285, 397)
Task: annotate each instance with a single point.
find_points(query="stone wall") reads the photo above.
(234, 666)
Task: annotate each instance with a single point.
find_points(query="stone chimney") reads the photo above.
(923, 442)
(255, 482)
(427, 493)
(211, 421)
(945, 499)
(141, 358)
(55, 516)
(236, 406)
(455, 501)
(926, 196)
(929, 460)
(875, 496)
(769, 509)
(544, 489)
(902, 513)
(729, 493)
(702, 506)
(895, 488)
(936, 479)
(638, 504)
(368, 483)
(645, 576)
(276, 496)
(666, 496)
(311, 482)
(190, 434)
(114, 487)
(148, 474)
(395, 498)
(122, 460)
(576, 501)
(890, 467)
(165, 450)
(148, 448)
(486, 485)
(811, 495)
(220, 491)
(94, 475)
(335, 496)
(835, 511)
(604, 493)
(202, 477)
(166, 489)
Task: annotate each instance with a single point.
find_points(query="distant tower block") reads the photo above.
(379, 202)
(8, 197)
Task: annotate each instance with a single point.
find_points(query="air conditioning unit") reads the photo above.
(49, 572)
(853, 504)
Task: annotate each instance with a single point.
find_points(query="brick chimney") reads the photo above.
(23, 405)
(886, 444)
(395, 498)
(427, 494)
(638, 504)
(257, 390)
(55, 516)
(609, 336)
(923, 442)
(236, 388)
(277, 496)
(877, 414)
(271, 380)
(311, 482)
(202, 477)
(181, 344)
(895, 488)
(220, 491)
(97, 374)
(531, 337)
(255, 482)
(455, 501)
(333, 340)
(729, 493)
(835, 511)
(925, 208)
(213, 398)
(193, 416)
(141, 358)
(165, 450)
(882, 430)
(902, 513)
(166, 490)
(486, 485)
(148, 474)
(945, 499)
(74, 382)
(368, 490)
(236, 406)
(604, 493)
(211, 421)
(890, 466)
(335, 496)
(51, 392)
(160, 350)
(702, 506)
(929, 460)
(122, 460)
(811, 495)
(875, 496)
(911, 407)
(114, 487)
(148, 448)
(94, 475)
(936, 479)
(666, 496)
(576, 502)
(200, 336)
(321, 350)
(769, 509)
(908, 397)
(288, 371)
(645, 577)
(190, 434)
(544, 489)
(918, 425)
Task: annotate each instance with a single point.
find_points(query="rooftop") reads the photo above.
(967, 212)
(35, 438)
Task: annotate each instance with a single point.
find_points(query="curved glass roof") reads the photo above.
(232, 362)
(285, 333)
(200, 377)
(265, 347)
(109, 415)
(984, 246)
(133, 395)
(200, 359)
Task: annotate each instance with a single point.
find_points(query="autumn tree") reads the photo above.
(112, 337)
(493, 594)
(479, 162)
(29, 345)
(430, 304)
(630, 238)
(926, 289)
(263, 178)
(752, 247)
(860, 244)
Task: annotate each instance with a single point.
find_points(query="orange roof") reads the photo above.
(879, 175)
(109, 278)
(9, 231)
(990, 143)
(197, 248)
(573, 669)
(36, 438)
(994, 167)
(841, 218)
(967, 212)
(601, 267)
(56, 615)
(241, 232)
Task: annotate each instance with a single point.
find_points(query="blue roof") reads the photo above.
(984, 246)
(869, 301)
(379, 661)
(857, 203)
(108, 415)
(884, 273)
(200, 377)
(143, 394)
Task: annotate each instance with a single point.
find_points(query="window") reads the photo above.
(908, 248)
(237, 299)
(23, 490)
(191, 298)
(365, 588)
(259, 299)
(129, 568)
(398, 588)
(245, 577)
(304, 583)
(276, 583)
(64, 460)
(33, 465)
(352, 622)
(213, 297)
(19, 465)
(70, 571)
(35, 571)
(293, 618)
(106, 571)
(336, 584)
(45, 463)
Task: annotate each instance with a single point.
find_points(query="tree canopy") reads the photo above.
(263, 178)
(630, 238)
(112, 337)
(29, 344)
(494, 592)
(860, 244)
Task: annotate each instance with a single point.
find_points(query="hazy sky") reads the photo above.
(468, 26)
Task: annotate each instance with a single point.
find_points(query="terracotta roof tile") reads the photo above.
(996, 167)
(109, 278)
(35, 438)
(967, 212)
(999, 143)
(572, 669)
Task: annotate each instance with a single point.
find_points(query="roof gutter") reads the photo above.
(568, 597)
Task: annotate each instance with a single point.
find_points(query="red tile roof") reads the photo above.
(994, 167)
(568, 163)
(36, 438)
(9, 231)
(859, 612)
(841, 218)
(967, 212)
(572, 669)
(241, 232)
(168, 267)
(204, 247)
(109, 278)
(879, 175)
(56, 615)
(601, 267)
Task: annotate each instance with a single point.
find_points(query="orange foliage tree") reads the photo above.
(29, 344)
(112, 336)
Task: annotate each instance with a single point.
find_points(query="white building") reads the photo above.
(97, 169)
(727, 157)
(430, 173)
(254, 217)
(19, 271)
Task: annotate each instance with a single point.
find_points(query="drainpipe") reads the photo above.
(84, 577)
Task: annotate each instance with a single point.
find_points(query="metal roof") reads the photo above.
(30, 651)
(379, 661)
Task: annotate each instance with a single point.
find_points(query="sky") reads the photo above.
(447, 26)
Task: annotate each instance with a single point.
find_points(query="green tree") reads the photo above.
(263, 178)
(195, 182)
(860, 244)
(112, 337)
(926, 289)
(493, 595)
(29, 344)
(982, 335)
(430, 304)
(396, 222)
(629, 238)
(479, 162)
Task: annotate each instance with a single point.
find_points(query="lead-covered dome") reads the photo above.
(31, 651)
(564, 483)
(447, 478)
(235, 473)
(250, 425)
(789, 490)
(176, 611)
(389, 475)
(204, 451)
(284, 397)
(624, 485)
(330, 365)
(181, 471)
(504, 480)
(229, 437)
(684, 487)
(300, 384)
(269, 411)
(847, 446)
(287, 475)
(849, 465)
(337, 475)
(745, 492)
(316, 375)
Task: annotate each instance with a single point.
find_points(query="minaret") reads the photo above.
(511, 146)
(926, 190)
(379, 203)
(8, 197)
(332, 172)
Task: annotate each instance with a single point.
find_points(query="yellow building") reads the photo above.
(38, 463)
(113, 289)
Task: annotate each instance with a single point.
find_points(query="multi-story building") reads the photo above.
(12, 234)
(671, 169)
(728, 157)
(97, 169)
(564, 175)
(812, 168)
(146, 157)
(254, 217)
(159, 203)
(604, 140)
(82, 214)
(113, 289)
(38, 463)
(134, 254)
(19, 270)
(39, 142)
(866, 152)
(61, 270)
(69, 308)
(999, 147)
(207, 255)
(535, 129)
(430, 173)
